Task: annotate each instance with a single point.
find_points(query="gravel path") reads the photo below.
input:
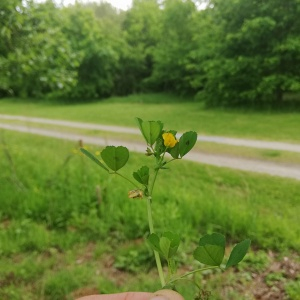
(215, 139)
(274, 169)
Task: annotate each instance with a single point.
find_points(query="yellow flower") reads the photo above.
(169, 140)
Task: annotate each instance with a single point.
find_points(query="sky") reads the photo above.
(121, 4)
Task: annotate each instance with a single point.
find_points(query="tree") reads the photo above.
(258, 55)
(141, 29)
(39, 58)
(172, 62)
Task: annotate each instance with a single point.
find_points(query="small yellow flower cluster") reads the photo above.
(169, 140)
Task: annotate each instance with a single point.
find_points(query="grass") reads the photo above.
(182, 114)
(59, 239)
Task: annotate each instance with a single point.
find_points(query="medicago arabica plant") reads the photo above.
(164, 148)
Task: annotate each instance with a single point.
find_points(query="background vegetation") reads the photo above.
(69, 230)
(230, 53)
(66, 229)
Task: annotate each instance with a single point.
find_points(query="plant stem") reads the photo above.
(156, 255)
(151, 228)
(126, 179)
(193, 272)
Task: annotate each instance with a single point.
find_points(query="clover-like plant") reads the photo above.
(211, 248)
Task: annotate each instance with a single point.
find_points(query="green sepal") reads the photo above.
(115, 157)
(151, 130)
(238, 253)
(186, 142)
(93, 158)
(142, 175)
(211, 249)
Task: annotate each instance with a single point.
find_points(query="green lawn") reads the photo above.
(58, 239)
(175, 112)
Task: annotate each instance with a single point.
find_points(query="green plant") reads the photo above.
(274, 277)
(292, 288)
(211, 248)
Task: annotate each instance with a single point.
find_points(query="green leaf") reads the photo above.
(142, 175)
(174, 151)
(151, 130)
(167, 244)
(159, 146)
(164, 245)
(211, 249)
(115, 157)
(153, 240)
(213, 239)
(93, 158)
(211, 255)
(186, 142)
(238, 253)
(174, 242)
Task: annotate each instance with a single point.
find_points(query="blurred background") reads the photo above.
(227, 69)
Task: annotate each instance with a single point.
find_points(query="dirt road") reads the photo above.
(289, 171)
(214, 139)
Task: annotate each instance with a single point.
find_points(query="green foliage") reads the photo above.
(238, 253)
(93, 158)
(292, 288)
(115, 157)
(256, 209)
(150, 130)
(59, 286)
(231, 53)
(166, 244)
(134, 259)
(171, 67)
(186, 142)
(142, 175)
(249, 67)
(211, 249)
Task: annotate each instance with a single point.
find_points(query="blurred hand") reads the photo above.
(159, 295)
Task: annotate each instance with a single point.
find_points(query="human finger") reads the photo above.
(121, 296)
(166, 295)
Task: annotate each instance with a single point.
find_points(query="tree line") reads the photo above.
(233, 52)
